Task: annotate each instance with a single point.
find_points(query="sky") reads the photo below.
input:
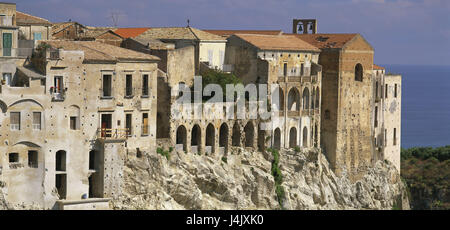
(411, 32)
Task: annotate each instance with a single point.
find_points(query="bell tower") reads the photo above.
(304, 25)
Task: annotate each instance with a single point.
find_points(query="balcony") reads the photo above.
(58, 95)
(293, 113)
(113, 134)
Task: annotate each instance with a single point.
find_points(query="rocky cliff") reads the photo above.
(244, 180)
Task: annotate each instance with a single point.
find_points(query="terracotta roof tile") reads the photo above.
(376, 67)
(97, 51)
(227, 33)
(27, 19)
(130, 32)
(179, 33)
(324, 41)
(277, 42)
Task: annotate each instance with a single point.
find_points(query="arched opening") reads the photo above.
(223, 137)
(236, 137)
(358, 72)
(61, 174)
(249, 130)
(277, 139)
(313, 95)
(294, 100)
(196, 139)
(317, 97)
(281, 99)
(181, 138)
(210, 138)
(316, 141)
(306, 98)
(305, 137)
(292, 137)
(261, 139)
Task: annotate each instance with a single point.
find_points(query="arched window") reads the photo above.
(293, 137)
(293, 100)
(358, 72)
(181, 138)
(306, 98)
(277, 138)
(210, 138)
(249, 131)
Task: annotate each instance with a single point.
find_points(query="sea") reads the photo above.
(425, 105)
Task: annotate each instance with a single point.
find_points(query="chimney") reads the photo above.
(304, 25)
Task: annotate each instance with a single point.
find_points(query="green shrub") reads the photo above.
(297, 149)
(224, 159)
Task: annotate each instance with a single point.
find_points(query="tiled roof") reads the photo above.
(227, 33)
(130, 32)
(93, 32)
(155, 44)
(179, 33)
(324, 41)
(277, 42)
(26, 19)
(57, 27)
(97, 51)
(376, 67)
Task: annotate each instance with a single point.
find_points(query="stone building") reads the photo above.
(32, 27)
(292, 64)
(67, 30)
(209, 48)
(86, 108)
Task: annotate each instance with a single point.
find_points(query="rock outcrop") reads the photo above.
(243, 180)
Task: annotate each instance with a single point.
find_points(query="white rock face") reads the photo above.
(244, 181)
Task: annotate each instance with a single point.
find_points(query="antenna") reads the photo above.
(115, 18)
(188, 22)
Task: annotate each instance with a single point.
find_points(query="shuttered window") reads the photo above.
(15, 121)
(37, 120)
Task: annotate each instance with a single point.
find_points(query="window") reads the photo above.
(285, 69)
(129, 85)
(15, 121)
(74, 123)
(395, 90)
(376, 90)
(7, 44)
(376, 116)
(145, 124)
(386, 93)
(395, 136)
(358, 72)
(128, 124)
(302, 66)
(13, 158)
(58, 80)
(7, 78)
(32, 159)
(37, 36)
(37, 120)
(145, 85)
(107, 86)
(385, 137)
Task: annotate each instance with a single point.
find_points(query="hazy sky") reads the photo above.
(401, 31)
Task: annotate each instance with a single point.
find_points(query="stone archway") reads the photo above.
(292, 137)
(305, 137)
(196, 139)
(181, 138)
(210, 138)
(249, 131)
(293, 100)
(223, 137)
(277, 139)
(306, 98)
(236, 136)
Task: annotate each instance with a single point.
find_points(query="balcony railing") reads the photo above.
(293, 113)
(113, 134)
(58, 95)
